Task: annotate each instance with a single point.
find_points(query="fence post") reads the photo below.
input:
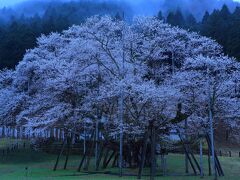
(220, 153)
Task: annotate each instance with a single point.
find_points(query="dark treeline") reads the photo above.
(196, 7)
(18, 33)
(221, 25)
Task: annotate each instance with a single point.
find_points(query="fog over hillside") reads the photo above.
(196, 7)
(137, 7)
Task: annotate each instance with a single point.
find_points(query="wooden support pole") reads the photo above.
(3, 131)
(217, 165)
(105, 159)
(164, 165)
(220, 170)
(195, 160)
(186, 158)
(114, 164)
(201, 159)
(97, 140)
(186, 152)
(84, 155)
(56, 164)
(100, 157)
(209, 162)
(191, 163)
(153, 154)
(109, 159)
(129, 155)
(81, 162)
(90, 153)
(162, 162)
(143, 155)
(69, 141)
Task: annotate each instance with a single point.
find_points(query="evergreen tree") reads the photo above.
(171, 19)
(179, 18)
(225, 13)
(191, 22)
(49, 20)
(212, 25)
(36, 24)
(205, 17)
(160, 16)
(118, 16)
(224, 24)
(233, 41)
(176, 19)
(217, 25)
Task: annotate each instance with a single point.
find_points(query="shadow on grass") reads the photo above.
(24, 156)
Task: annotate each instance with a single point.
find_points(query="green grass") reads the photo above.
(5, 142)
(39, 166)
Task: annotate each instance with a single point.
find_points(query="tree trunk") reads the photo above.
(153, 154)
(201, 159)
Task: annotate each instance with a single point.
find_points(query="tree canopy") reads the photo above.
(78, 76)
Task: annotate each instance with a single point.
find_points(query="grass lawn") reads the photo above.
(29, 164)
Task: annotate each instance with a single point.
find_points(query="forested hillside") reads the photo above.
(221, 25)
(20, 26)
(19, 32)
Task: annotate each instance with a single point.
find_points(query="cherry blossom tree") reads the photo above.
(80, 73)
(209, 83)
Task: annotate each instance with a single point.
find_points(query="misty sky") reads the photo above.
(9, 2)
(13, 2)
